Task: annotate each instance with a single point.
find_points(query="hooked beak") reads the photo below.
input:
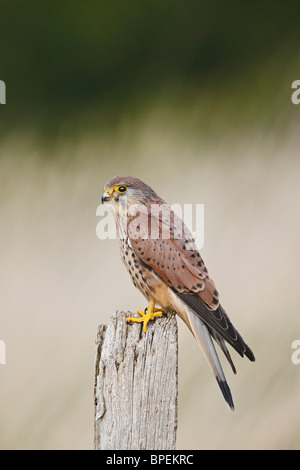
(106, 196)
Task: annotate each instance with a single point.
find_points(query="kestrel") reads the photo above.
(164, 263)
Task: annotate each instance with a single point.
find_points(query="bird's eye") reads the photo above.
(121, 189)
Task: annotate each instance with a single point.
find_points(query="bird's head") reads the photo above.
(128, 190)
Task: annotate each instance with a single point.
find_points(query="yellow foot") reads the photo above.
(151, 313)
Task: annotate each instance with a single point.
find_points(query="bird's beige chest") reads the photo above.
(138, 273)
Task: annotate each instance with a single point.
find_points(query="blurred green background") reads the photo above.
(195, 99)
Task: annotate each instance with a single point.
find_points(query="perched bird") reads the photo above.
(164, 263)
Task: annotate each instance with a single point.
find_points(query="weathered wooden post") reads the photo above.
(136, 385)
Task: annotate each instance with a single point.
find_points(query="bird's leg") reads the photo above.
(150, 313)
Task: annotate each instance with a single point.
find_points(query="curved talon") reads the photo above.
(150, 313)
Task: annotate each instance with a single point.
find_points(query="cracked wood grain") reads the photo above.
(136, 385)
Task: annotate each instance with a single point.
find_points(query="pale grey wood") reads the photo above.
(136, 385)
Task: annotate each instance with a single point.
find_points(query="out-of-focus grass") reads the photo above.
(58, 281)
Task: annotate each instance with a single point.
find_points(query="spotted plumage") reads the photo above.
(164, 263)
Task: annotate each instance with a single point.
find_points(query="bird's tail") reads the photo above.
(204, 339)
